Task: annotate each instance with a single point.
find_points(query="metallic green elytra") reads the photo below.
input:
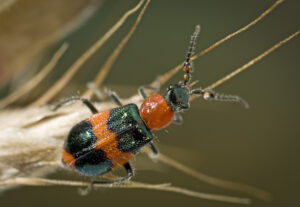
(126, 123)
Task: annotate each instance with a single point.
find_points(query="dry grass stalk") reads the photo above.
(253, 191)
(251, 62)
(60, 84)
(5, 4)
(165, 77)
(25, 89)
(29, 28)
(112, 58)
(129, 185)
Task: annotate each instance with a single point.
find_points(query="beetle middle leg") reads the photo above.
(73, 99)
(130, 174)
(100, 93)
(115, 97)
(155, 88)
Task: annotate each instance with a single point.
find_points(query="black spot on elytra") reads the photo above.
(132, 133)
(80, 139)
(93, 163)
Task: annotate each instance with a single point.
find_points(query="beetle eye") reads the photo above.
(170, 87)
(173, 97)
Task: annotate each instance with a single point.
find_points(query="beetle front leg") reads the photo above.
(155, 88)
(177, 118)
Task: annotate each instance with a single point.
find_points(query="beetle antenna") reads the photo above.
(187, 66)
(210, 95)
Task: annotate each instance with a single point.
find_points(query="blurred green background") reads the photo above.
(259, 146)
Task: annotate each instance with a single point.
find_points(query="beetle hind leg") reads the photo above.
(130, 174)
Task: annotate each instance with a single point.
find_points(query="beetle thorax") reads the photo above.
(155, 112)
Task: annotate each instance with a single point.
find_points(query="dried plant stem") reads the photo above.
(258, 193)
(14, 96)
(253, 61)
(112, 58)
(164, 78)
(128, 185)
(48, 182)
(60, 84)
(207, 196)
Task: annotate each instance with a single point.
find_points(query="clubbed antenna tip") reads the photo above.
(197, 30)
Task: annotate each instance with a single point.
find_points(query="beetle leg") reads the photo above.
(155, 88)
(101, 94)
(153, 148)
(130, 174)
(129, 171)
(177, 118)
(115, 97)
(73, 99)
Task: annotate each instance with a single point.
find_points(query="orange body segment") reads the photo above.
(107, 140)
(117, 157)
(156, 113)
(104, 135)
(69, 159)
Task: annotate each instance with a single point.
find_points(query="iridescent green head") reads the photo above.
(177, 97)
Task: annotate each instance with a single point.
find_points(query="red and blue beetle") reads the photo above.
(109, 139)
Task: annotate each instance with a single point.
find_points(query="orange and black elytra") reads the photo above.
(110, 138)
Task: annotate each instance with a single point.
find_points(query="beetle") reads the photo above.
(109, 139)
